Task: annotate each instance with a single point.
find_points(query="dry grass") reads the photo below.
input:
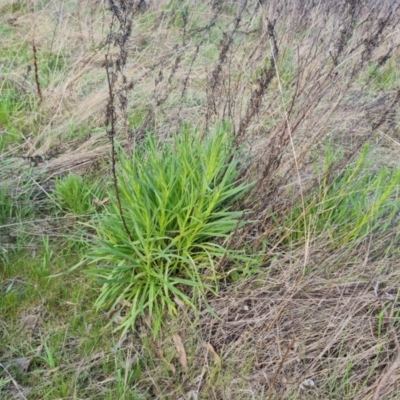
(315, 323)
(328, 320)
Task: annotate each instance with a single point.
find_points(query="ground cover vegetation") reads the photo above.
(199, 199)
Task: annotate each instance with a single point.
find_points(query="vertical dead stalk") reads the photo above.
(122, 11)
(110, 121)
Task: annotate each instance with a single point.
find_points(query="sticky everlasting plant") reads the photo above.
(176, 199)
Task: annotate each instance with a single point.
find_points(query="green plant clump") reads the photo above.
(75, 194)
(357, 203)
(176, 200)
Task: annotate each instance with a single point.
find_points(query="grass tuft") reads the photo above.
(76, 194)
(176, 198)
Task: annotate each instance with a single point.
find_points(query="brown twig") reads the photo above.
(111, 133)
(122, 11)
(35, 63)
(271, 388)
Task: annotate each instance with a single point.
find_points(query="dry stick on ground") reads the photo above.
(35, 63)
(396, 363)
(271, 388)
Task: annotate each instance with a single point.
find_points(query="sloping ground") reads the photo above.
(319, 319)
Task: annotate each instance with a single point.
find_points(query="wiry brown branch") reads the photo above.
(122, 10)
(110, 121)
(35, 64)
(271, 387)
